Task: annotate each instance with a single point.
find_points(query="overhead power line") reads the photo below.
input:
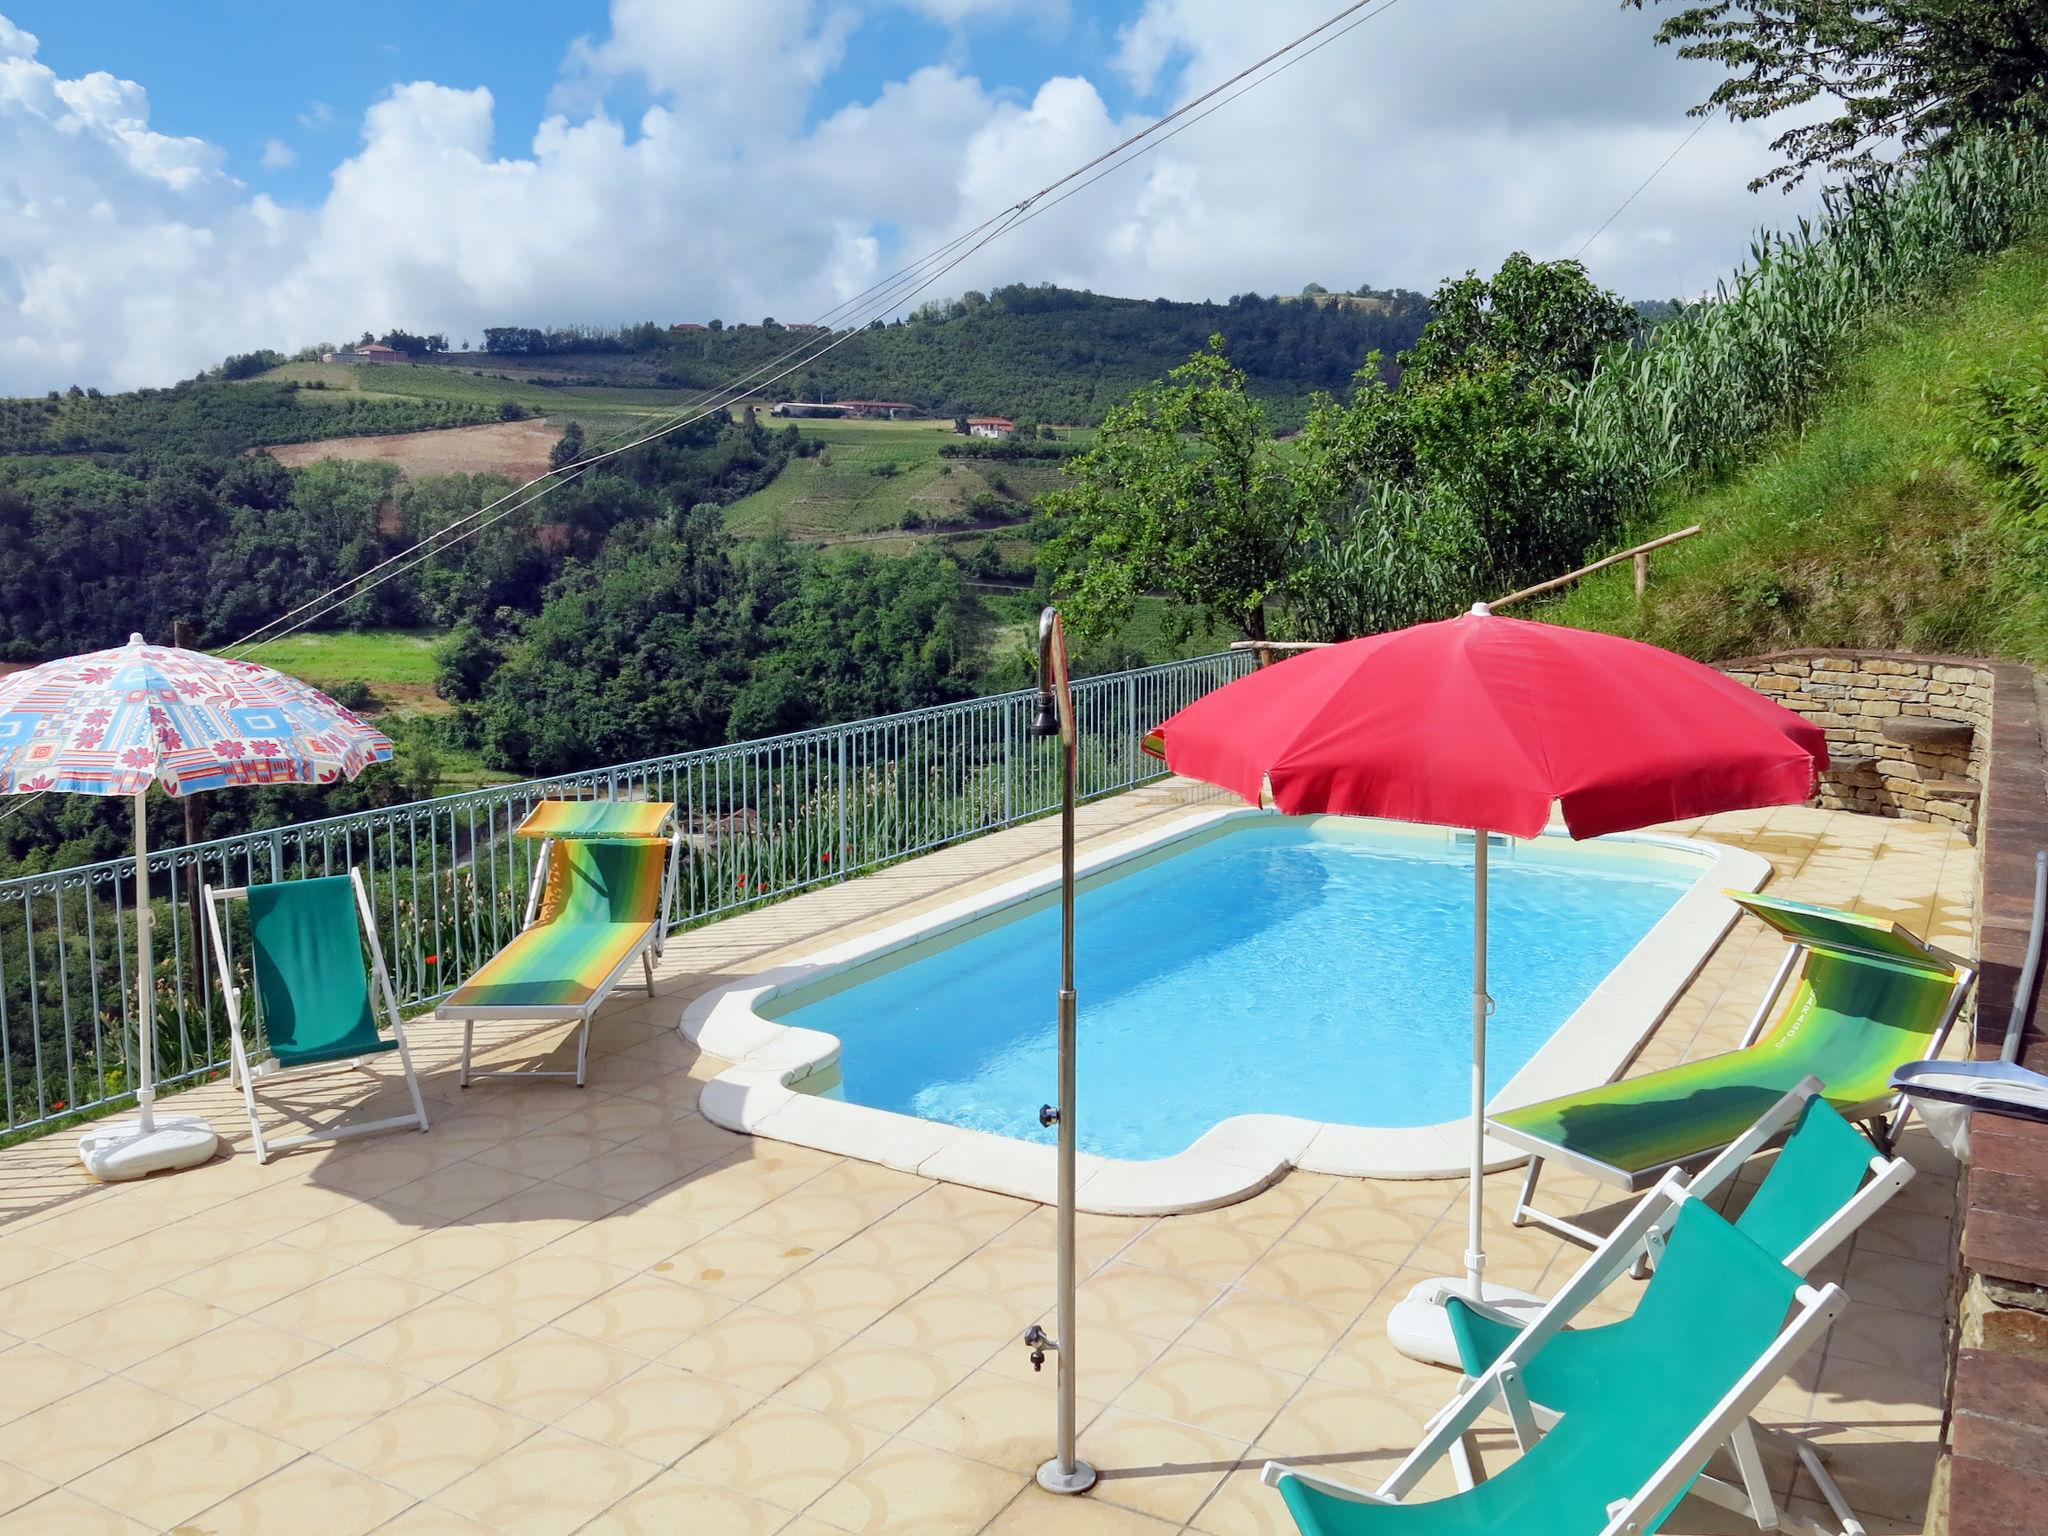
(1645, 185)
(843, 321)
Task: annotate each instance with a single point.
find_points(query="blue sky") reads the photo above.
(179, 182)
(243, 74)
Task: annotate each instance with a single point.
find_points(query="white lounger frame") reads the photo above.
(1882, 1118)
(1622, 1251)
(215, 904)
(1500, 1386)
(646, 951)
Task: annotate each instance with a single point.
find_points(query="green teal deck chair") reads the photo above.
(1824, 1183)
(1720, 1323)
(1862, 997)
(600, 901)
(313, 959)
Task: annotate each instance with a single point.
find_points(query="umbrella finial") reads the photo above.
(135, 637)
(1482, 610)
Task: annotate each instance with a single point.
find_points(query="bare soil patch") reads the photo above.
(516, 448)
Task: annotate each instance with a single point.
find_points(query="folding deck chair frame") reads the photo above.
(1814, 1312)
(1634, 1245)
(645, 952)
(1881, 1116)
(215, 906)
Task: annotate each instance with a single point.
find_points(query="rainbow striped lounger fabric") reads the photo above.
(602, 893)
(1862, 997)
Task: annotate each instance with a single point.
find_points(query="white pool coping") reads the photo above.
(761, 1092)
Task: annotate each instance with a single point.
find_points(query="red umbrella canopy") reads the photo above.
(1487, 722)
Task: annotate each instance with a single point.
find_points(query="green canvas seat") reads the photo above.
(1861, 997)
(313, 954)
(1720, 1323)
(600, 902)
(1823, 1185)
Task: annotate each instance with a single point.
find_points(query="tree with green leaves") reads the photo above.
(1183, 493)
(1910, 72)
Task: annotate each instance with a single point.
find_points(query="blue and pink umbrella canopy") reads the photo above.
(115, 722)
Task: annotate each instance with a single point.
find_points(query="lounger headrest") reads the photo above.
(596, 818)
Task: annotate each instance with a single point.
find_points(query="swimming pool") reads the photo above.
(1252, 987)
(1207, 979)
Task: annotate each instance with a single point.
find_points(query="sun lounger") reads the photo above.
(1862, 997)
(307, 958)
(1719, 1325)
(1948, 1093)
(1823, 1185)
(600, 902)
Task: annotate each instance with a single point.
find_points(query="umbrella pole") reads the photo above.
(145, 990)
(1482, 1005)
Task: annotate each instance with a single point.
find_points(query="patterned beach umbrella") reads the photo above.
(117, 722)
(114, 722)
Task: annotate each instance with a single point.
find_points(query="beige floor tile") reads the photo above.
(161, 1256)
(659, 1413)
(254, 1278)
(63, 1295)
(1122, 1297)
(1108, 1360)
(36, 1377)
(1334, 1281)
(234, 1358)
(1006, 1423)
(1230, 1397)
(739, 1265)
(623, 1172)
(910, 1490)
(1358, 1437)
(64, 1511)
(18, 1486)
(544, 1285)
(345, 1307)
(1287, 1335)
(1200, 1249)
(755, 1348)
(309, 1494)
(322, 1400)
(1035, 1513)
(782, 1453)
(549, 1485)
(544, 1154)
(876, 1384)
(545, 1213)
(676, 1505)
(361, 1230)
(845, 1295)
(1243, 1506)
(547, 1373)
(1155, 1466)
(449, 1258)
(135, 1329)
(1365, 1230)
(955, 1325)
(441, 1337)
(648, 1314)
(167, 1481)
(427, 1442)
(1882, 1478)
(89, 1426)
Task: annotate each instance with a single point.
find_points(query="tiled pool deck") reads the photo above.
(595, 1312)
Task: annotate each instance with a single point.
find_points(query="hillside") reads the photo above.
(1046, 353)
(1870, 524)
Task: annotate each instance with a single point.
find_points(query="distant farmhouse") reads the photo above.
(375, 352)
(688, 325)
(997, 427)
(871, 410)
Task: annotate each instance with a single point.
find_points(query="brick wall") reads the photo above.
(1883, 712)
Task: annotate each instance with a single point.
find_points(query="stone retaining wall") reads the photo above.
(1853, 695)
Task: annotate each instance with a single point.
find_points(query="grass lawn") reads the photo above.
(379, 658)
(1855, 528)
(599, 408)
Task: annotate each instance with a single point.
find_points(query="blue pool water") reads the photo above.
(1281, 967)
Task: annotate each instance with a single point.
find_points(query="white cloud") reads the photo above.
(277, 155)
(1404, 152)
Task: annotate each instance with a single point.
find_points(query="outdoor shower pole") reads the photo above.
(1064, 1472)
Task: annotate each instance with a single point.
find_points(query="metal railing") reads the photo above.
(762, 819)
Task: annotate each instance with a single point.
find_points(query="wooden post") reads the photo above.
(1642, 574)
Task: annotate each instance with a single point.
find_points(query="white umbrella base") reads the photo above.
(122, 1151)
(1421, 1329)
